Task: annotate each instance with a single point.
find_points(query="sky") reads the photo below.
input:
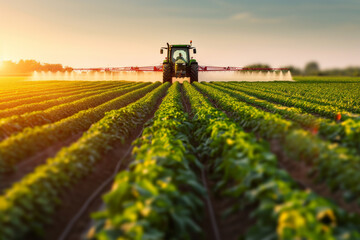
(114, 33)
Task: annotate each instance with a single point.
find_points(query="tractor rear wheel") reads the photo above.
(167, 73)
(194, 69)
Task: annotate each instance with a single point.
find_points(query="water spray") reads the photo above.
(177, 65)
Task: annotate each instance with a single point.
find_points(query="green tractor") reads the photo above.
(178, 63)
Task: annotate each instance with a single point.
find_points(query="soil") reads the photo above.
(277, 103)
(73, 199)
(215, 225)
(228, 227)
(299, 172)
(28, 165)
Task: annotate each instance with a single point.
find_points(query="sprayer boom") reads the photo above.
(159, 68)
(122, 69)
(179, 63)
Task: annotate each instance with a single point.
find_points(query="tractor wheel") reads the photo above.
(194, 73)
(167, 73)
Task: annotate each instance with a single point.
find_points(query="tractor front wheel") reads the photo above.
(167, 73)
(194, 76)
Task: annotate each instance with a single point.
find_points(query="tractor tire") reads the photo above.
(167, 73)
(194, 73)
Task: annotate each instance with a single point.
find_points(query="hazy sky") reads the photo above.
(89, 33)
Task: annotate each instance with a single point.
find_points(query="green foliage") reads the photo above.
(248, 171)
(267, 124)
(24, 144)
(18, 123)
(294, 70)
(29, 106)
(326, 107)
(159, 196)
(27, 66)
(12, 102)
(338, 167)
(312, 68)
(49, 87)
(326, 79)
(29, 204)
(347, 133)
(349, 71)
(149, 200)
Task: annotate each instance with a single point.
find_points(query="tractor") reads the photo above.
(178, 63)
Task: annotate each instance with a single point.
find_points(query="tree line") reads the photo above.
(313, 69)
(29, 66)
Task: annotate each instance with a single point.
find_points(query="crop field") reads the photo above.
(211, 160)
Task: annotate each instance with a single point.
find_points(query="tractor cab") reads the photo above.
(180, 57)
(179, 54)
(178, 63)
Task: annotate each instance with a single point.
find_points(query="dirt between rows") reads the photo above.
(299, 172)
(28, 165)
(272, 101)
(270, 111)
(74, 198)
(230, 226)
(215, 225)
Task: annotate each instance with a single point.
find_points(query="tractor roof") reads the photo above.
(180, 45)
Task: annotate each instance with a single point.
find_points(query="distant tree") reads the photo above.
(52, 67)
(352, 71)
(257, 65)
(349, 71)
(25, 66)
(294, 70)
(68, 69)
(312, 68)
(28, 66)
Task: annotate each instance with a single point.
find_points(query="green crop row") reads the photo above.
(346, 133)
(326, 111)
(47, 103)
(333, 165)
(24, 144)
(347, 104)
(343, 93)
(150, 201)
(43, 97)
(36, 90)
(248, 171)
(9, 88)
(33, 88)
(30, 203)
(40, 106)
(18, 123)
